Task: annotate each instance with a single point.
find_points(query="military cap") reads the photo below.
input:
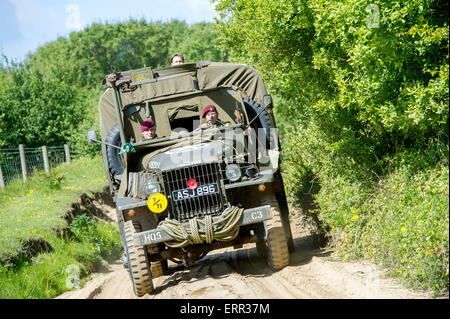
(207, 109)
(146, 125)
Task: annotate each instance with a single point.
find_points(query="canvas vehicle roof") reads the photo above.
(182, 91)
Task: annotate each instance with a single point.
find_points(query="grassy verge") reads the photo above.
(33, 210)
(402, 223)
(390, 208)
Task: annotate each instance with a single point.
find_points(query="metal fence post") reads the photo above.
(45, 158)
(66, 150)
(23, 162)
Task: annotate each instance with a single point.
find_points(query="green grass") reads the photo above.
(402, 223)
(33, 209)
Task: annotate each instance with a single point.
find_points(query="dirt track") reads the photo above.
(232, 274)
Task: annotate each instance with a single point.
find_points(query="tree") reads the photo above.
(199, 42)
(52, 96)
(35, 111)
(368, 79)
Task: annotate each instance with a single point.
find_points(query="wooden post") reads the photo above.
(23, 162)
(45, 157)
(2, 182)
(66, 150)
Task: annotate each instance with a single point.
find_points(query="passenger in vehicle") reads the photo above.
(211, 116)
(148, 130)
(176, 59)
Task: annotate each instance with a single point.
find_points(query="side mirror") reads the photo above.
(267, 101)
(91, 137)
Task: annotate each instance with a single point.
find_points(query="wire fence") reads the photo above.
(34, 159)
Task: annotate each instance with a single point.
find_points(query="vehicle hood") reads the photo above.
(188, 155)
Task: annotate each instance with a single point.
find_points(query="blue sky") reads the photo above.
(27, 24)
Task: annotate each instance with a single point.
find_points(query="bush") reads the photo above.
(402, 223)
(362, 96)
(33, 210)
(48, 275)
(101, 236)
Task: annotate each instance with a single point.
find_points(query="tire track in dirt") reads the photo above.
(241, 274)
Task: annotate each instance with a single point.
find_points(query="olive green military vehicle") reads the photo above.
(191, 189)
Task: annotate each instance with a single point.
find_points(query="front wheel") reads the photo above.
(273, 244)
(137, 260)
(158, 268)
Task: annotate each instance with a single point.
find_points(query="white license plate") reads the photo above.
(201, 190)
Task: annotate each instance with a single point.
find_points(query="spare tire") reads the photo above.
(115, 161)
(262, 122)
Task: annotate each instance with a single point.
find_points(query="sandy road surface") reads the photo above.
(231, 274)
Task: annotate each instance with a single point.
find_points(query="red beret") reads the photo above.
(207, 109)
(146, 125)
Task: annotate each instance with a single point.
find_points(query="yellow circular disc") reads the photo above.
(157, 203)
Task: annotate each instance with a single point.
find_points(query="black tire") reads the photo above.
(158, 268)
(263, 121)
(125, 259)
(115, 161)
(261, 243)
(281, 198)
(274, 240)
(139, 267)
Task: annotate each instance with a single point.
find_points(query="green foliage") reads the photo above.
(362, 96)
(387, 85)
(82, 226)
(52, 180)
(32, 210)
(77, 136)
(199, 42)
(100, 237)
(49, 274)
(52, 97)
(36, 111)
(402, 222)
(85, 57)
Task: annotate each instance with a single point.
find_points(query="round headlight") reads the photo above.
(251, 171)
(233, 172)
(152, 187)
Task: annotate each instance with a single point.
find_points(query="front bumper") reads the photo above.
(249, 216)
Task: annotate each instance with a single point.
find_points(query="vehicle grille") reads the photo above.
(204, 174)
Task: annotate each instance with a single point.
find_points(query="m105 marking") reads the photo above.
(151, 237)
(201, 190)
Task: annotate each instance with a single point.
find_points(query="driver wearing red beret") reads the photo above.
(211, 116)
